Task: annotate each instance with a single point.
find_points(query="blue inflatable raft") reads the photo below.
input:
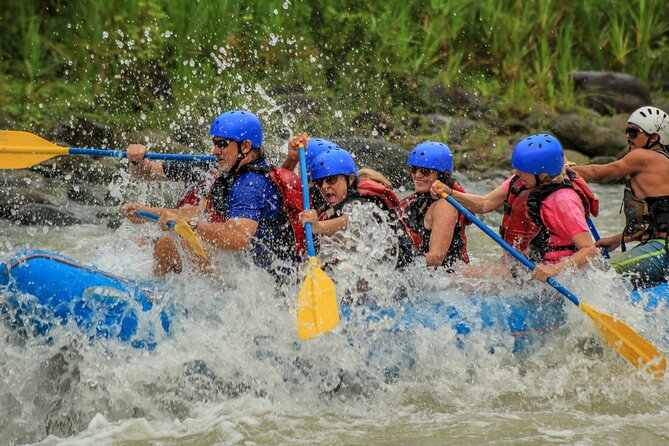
(39, 290)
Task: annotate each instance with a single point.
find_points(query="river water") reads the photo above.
(234, 371)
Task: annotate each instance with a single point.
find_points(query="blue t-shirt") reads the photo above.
(255, 197)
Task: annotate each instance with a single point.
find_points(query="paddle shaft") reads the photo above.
(518, 256)
(595, 234)
(305, 198)
(150, 216)
(148, 155)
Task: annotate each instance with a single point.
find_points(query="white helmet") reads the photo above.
(652, 120)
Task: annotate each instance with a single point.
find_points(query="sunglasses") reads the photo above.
(332, 179)
(633, 132)
(423, 171)
(222, 143)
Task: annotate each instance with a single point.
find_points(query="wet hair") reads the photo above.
(546, 179)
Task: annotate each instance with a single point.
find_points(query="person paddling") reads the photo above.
(246, 206)
(335, 174)
(645, 200)
(545, 209)
(436, 228)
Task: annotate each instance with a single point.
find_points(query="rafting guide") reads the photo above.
(243, 209)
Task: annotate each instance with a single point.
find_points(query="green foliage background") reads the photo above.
(107, 58)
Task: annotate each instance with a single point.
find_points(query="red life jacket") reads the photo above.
(522, 226)
(197, 192)
(412, 213)
(289, 188)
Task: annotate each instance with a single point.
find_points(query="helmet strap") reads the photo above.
(537, 180)
(648, 144)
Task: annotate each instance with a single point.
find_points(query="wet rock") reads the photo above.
(77, 131)
(617, 123)
(284, 89)
(77, 169)
(585, 136)
(456, 127)
(12, 199)
(20, 178)
(87, 195)
(43, 214)
(302, 107)
(603, 159)
(610, 92)
(537, 117)
(450, 99)
(192, 133)
(380, 123)
(148, 82)
(576, 157)
(471, 159)
(388, 158)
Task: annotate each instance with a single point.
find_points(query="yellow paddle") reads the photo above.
(631, 345)
(20, 150)
(317, 310)
(180, 227)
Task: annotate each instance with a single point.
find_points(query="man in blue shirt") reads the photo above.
(243, 209)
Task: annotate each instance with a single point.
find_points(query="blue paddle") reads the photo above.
(632, 346)
(20, 150)
(595, 234)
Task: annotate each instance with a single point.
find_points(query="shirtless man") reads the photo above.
(646, 199)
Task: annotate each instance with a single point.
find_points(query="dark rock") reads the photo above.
(148, 82)
(584, 136)
(86, 195)
(388, 158)
(450, 99)
(603, 159)
(192, 133)
(378, 122)
(471, 159)
(576, 157)
(77, 131)
(617, 123)
(537, 117)
(43, 214)
(12, 199)
(78, 169)
(610, 92)
(302, 107)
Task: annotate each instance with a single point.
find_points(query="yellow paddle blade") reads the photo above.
(630, 344)
(19, 150)
(182, 228)
(317, 310)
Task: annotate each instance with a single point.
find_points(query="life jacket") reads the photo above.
(412, 212)
(288, 186)
(644, 219)
(522, 226)
(197, 192)
(370, 190)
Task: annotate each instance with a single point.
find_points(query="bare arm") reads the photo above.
(629, 165)
(477, 204)
(141, 167)
(443, 220)
(586, 251)
(232, 235)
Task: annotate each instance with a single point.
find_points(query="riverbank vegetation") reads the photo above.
(151, 62)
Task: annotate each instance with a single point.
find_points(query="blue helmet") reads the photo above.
(238, 125)
(538, 154)
(432, 155)
(315, 147)
(333, 162)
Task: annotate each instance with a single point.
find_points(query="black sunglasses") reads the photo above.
(423, 171)
(332, 179)
(633, 132)
(222, 143)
